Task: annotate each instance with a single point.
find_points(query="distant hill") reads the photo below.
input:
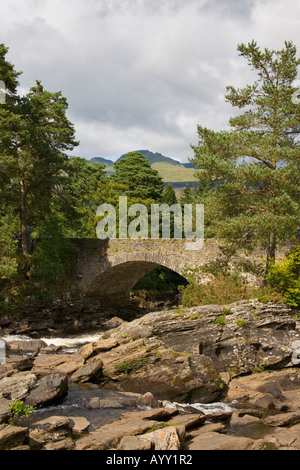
(102, 161)
(189, 165)
(172, 171)
(154, 157)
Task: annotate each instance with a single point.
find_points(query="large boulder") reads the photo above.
(12, 436)
(29, 346)
(57, 364)
(268, 390)
(52, 429)
(218, 441)
(49, 390)
(134, 423)
(18, 386)
(167, 438)
(5, 411)
(89, 372)
(190, 354)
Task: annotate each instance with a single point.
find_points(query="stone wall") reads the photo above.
(109, 269)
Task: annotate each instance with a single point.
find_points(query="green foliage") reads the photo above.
(160, 279)
(220, 320)
(241, 322)
(270, 446)
(131, 366)
(141, 180)
(249, 175)
(169, 196)
(262, 368)
(19, 411)
(224, 288)
(285, 277)
(187, 196)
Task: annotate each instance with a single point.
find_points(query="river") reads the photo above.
(113, 403)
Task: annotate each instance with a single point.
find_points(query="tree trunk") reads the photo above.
(271, 252)
(25, 240)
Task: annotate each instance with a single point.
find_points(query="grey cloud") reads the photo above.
(137, 73)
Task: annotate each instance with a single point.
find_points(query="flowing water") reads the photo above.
(77, 402)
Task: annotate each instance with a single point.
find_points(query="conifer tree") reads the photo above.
(141, 179)
(169, 196)
(253, 168)
(34, 134)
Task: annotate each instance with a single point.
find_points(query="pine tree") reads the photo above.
(169, 196)
(141, 179)
(34, 136)
(187, 196)
(254, 168)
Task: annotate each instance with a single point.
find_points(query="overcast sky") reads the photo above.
(142, 74)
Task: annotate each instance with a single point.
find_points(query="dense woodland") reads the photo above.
(248, 180)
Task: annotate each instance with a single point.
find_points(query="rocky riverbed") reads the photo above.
(207, 377)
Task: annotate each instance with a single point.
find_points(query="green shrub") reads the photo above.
(226, 288)
(284, 276)
(220, 320)
(131, 365)
(19, 411)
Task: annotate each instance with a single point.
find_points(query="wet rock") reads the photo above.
(133, 423)
(135, 443)
(92, 349)
(168, 438)
(109, 436)
(189, 421)
(30, 346)
(57, 363)
(51, 349)
(106, 345)
(78, 424)
(219, 416)
(18, 386)
(112, 323)
(5, 411)
(89, 372)
(209, 427)
(245, 420)
(284, 419)
(252, 389)
(217, 441)
(16, 363)
(66, 444)
(54, 428)
(285, 438)
(12, 436)
(49, 390)
(148, 399)
(93, 404)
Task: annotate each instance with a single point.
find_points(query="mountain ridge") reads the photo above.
(150, 156)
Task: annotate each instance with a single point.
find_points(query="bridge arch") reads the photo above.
(111, 279)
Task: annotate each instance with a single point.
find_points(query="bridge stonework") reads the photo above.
(107, 270)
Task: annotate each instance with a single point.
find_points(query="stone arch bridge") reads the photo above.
(107, 270)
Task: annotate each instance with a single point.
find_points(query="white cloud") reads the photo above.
(142, 73)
